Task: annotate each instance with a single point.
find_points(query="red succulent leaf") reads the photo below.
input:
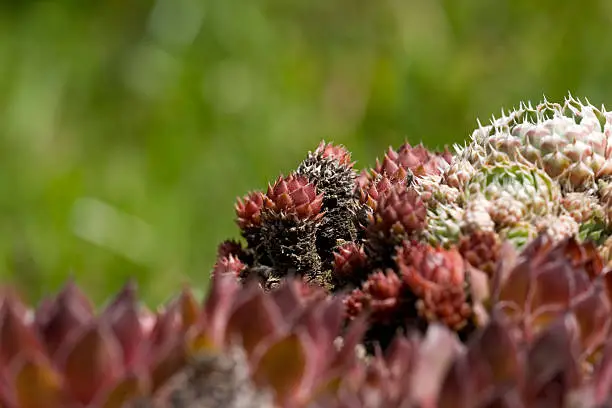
(555, 283)
(283, 367)
(404, 361)
(163, 336)
(592, 311)
(447, 155)
(336, 152)
(552, 359)
(345, 358)
(217, 308)
(391, 168)
(167, 364)
(309, 292)
(38, 385)
(493, 359)
(288, 298)
(584, 255)
(91, 363)
(364, 178)
(16, 338)
(248, 210)
(10, 295)
(497, 348)
(457, 389)
(371, 192)
(602, 376)
(124, 320)
(508, 259)
(544, 282)
(58, 319)
(321, 323)
(426, 365)
(437, 277)
(254, 320)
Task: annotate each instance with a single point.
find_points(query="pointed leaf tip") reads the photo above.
(15, 336)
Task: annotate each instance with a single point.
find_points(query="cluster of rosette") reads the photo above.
(415, 283)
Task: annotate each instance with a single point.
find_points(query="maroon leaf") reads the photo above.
(283, 367)
(435, 355)
(256, 319)
(456, 390)
(64, 316)
(217, 307)
(91, 363)
(123, 318)
(288, 299)
(552, 359)
(15, 337)
(167, 364)
(602, 377)
(592, 312)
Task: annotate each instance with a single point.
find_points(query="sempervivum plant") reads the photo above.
(569, 141)
(330, 169)
(292, 211)
(478, 279)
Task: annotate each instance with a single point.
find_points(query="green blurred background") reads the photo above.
(127, 128)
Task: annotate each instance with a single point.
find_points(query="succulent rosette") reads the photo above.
(330, 169)
(291, 214)
(570, 141)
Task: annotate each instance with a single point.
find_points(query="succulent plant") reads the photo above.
(330, 169)
(473, 280)
(438, 278)
(481, 249)
(444, 224)
(516, 191)
(229, 265)
(569, 141)
(350, 264)
(248, 217)
(400, 214)
(290, 218)
(418, 160)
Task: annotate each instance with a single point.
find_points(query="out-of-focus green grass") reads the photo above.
(127, 129)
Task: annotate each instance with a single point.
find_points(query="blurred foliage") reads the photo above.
(127, 128)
